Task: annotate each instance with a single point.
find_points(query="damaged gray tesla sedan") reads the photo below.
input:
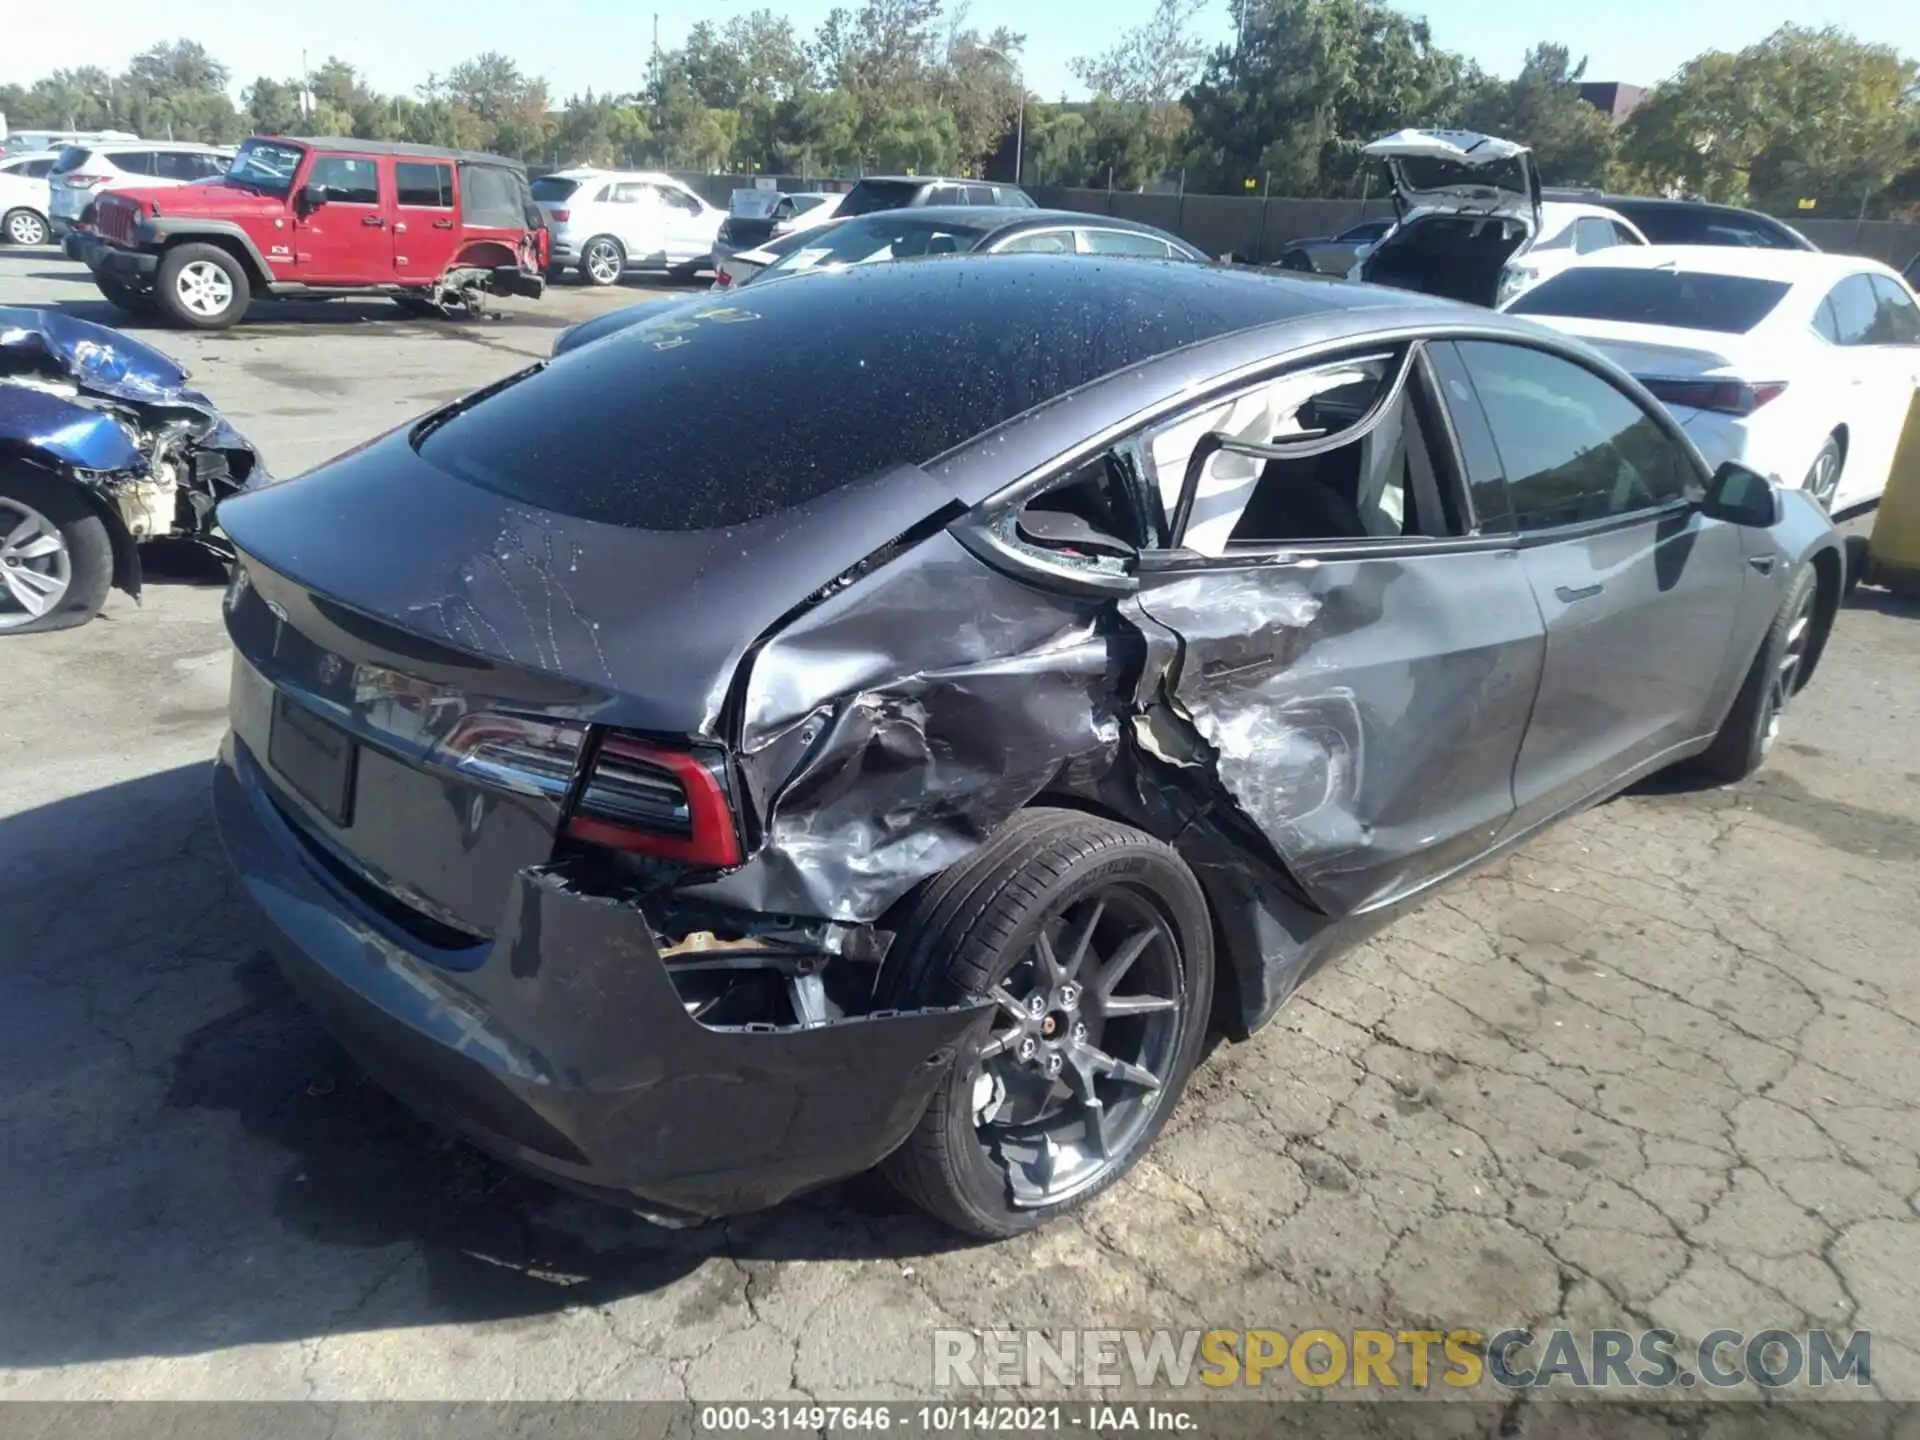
(102, 448)
(1056, 659)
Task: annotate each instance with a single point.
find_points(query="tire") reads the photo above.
(1296, 260)
(975, 930)
(1823, 476)
(1751, 725)
(24, 227)
(202, 287)
(35, 510)
(125, 297)
(602, 261)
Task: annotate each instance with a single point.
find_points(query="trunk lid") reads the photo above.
(1644, 351)
(383, 612)
(1460, 171)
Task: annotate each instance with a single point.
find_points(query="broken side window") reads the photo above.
(1099, 516)
(1380, 484)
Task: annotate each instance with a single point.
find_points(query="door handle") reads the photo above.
(1569, 594)
(373, 220)
(1762, 563)
(443, 224)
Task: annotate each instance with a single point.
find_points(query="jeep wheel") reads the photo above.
(125, 297)
(602, 260)
(24, 227)
(202, 287)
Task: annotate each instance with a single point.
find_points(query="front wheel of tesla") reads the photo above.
(1093, 943)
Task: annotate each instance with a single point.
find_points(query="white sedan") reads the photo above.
(1798, 364)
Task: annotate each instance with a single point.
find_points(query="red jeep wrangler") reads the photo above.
(314, 219)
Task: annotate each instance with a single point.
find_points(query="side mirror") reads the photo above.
(311, 198)
(1741, 496)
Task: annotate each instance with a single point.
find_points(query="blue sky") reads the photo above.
(604, 44)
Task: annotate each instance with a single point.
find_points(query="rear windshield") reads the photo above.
(554, 187)
(900, 235)
(1676, 225)
(71, 158)
(851, 375)
(1730, 304)
(1432, 172)
(871, 195)
(494, 196)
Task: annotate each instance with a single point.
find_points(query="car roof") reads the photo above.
(1795, 267)
(1668, 202)
(108, 147)
(594, 172)
(1001, 217)
(400, 148)
(937, 180)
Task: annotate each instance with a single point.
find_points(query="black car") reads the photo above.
(1695, 222)
(924, 233)
(900, 192)
(1052, 658)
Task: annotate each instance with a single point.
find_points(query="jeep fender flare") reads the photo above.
(484, 255)
(228, 236)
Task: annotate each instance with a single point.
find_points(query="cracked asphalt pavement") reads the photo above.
(1658, 1068)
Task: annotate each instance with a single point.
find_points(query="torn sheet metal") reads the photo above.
(890, 730)
(106, 412)
(1364, 716)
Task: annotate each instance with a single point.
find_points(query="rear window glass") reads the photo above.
(554, 187)
(1730, 304)
(70, 159)
(871, 195)
(1431, 172)
(1663, 225)
(887, 236)
(493, 195)
(853, 374)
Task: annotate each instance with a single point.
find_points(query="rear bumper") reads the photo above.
(567, 1050)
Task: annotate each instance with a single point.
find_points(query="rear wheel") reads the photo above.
(1092, 940)
(1753, 724)
(24, 227)
(602, 260)
(1296, 260)
(1823, 476)
(202, 287)
(56, 559)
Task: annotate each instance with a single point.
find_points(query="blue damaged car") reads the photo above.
(102, 448)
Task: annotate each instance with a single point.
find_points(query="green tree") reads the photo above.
(512, 106)
(1804, 112)
(979, 84)
(273, 107)
(599, 130)
(1572, 142)
(1311, 83)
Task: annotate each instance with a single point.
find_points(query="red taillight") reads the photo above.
(658, 801)
(722, 279)
(1729, 397)
(640, 797)
(560, 214)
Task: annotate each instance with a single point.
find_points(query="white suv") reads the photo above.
(84, 172)
(606, 222)
(24, 201)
